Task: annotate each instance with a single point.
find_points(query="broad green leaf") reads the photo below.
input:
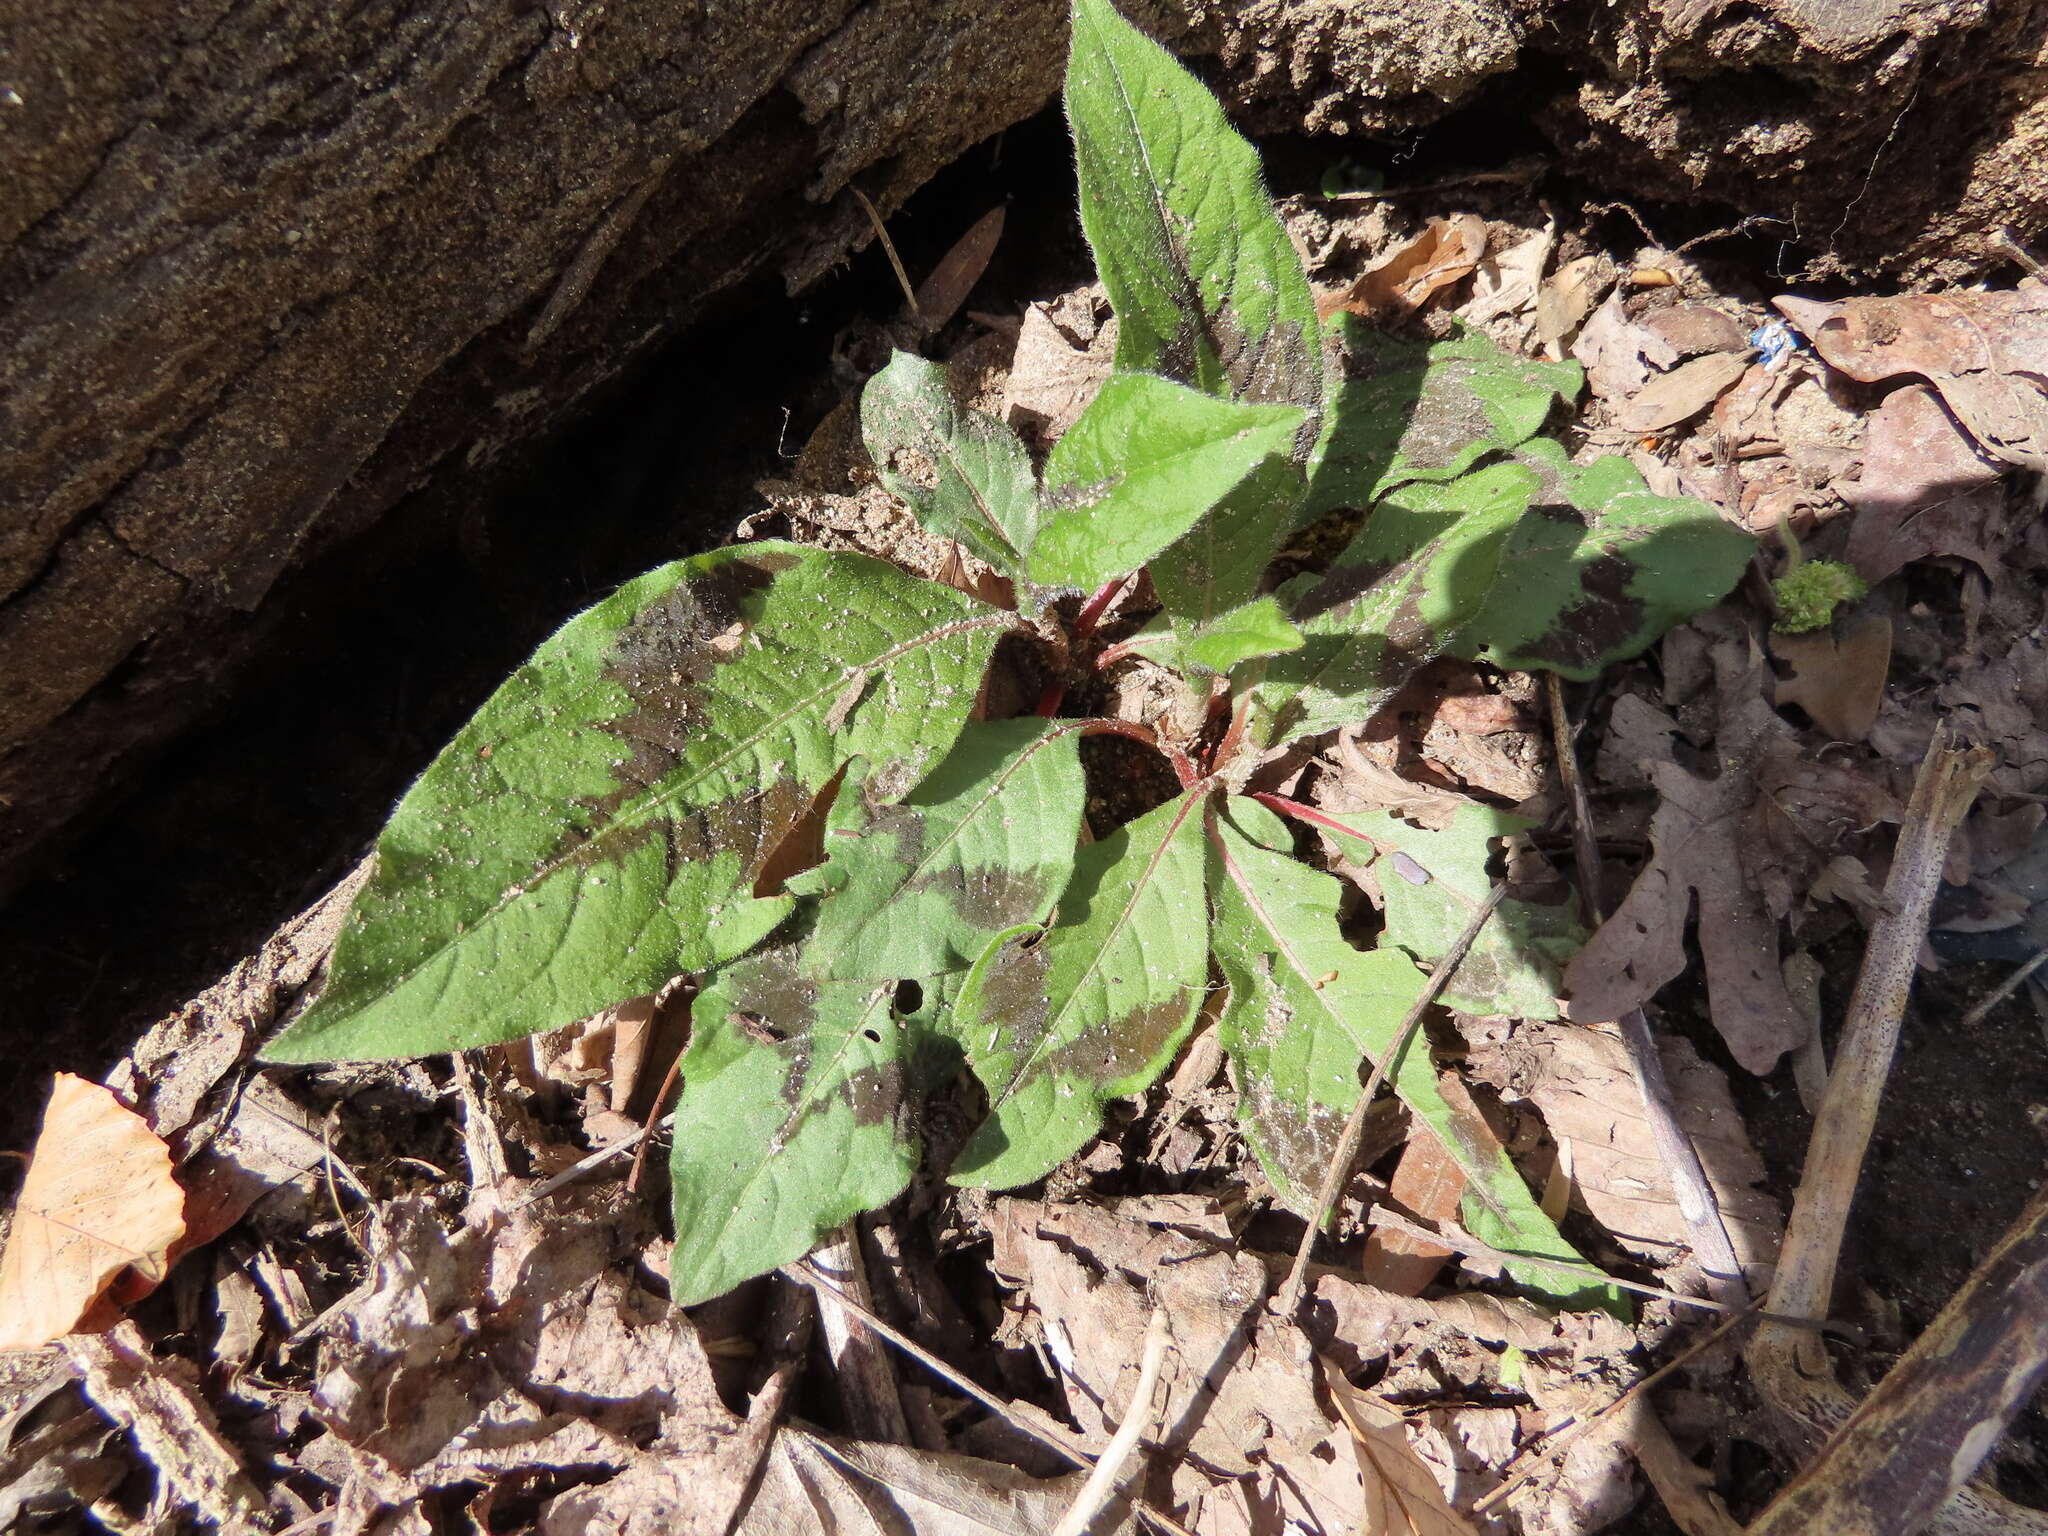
(1146, 459)
(600, 824)
(1602, 568)
(1414, 410)
(1306, 1009)
(985, 843)
(1424, 564)
(1219, 565)
(965, 475)
(1205, 283)
(1097, 1007)
(1257, 629)
(1431, 882)
(797, 1114)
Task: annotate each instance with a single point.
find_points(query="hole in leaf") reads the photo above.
(909, 997)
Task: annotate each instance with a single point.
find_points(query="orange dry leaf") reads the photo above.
(1401, 1496)
(98, 1199)
(1402, 282)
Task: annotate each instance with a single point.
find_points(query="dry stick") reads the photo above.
(1140, 1417)
(1947, 1401)
(589, 1162)
(889, 250)
(867, 1380)
(2002, 991)
(1050, 1435)
(1690, 1188)
(1289, 1301)
(1790, 1367)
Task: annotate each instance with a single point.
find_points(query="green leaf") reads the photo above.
(599, 826)
(985, 843)
(1306, 1009)
(1602, 568)
(1146, 459)
(1205, 283)
(1097, 1007)
(797, 1114)
(965, 475)
(1219, 565)
(1413, 410)
(1431, 881)
(1419, 571)
(1258, 629)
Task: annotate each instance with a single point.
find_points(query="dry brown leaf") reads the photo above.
(1923, 490)
(1987, 353)
(1429, 1183)
(1677, 396)
(1407, 278)
(99, 1199)
(1063, 353)
(1090, 1278)
(940, 295)
(1703, 845)
(1581, 1082)
(1569, 296)
(823, 1482)
(1691, 329)
(1401, 1495)
(1838, 679)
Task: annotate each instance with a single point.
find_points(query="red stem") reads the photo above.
(1183, 766)
(1309, 814)
(1049, 701)
(1092, 610)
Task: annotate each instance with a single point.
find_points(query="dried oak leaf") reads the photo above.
(1407, 278)
(1401, 1493)
(1987, 353)
(98, 1200)
(1704, 844)
(1923, 490)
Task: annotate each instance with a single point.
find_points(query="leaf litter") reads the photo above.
(396, 1331)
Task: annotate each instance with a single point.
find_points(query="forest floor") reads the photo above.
(425, 1296)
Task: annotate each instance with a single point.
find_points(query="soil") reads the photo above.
(248, 819)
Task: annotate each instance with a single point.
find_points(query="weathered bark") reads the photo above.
(266, 272)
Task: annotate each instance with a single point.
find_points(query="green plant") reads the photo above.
(763, 764)
(1811, 590)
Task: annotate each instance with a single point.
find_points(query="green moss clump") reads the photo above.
(1811, 591)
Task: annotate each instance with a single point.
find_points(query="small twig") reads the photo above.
(889, 250)
(1289, 1301)
(654, 1117)
(1102, 1480)
(587, 1164)
(1691, 1190)
(2002, 991)
(1942, 794)
(1052, 1439)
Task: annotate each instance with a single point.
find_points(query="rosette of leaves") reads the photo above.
(764, 766)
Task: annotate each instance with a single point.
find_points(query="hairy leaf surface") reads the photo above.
(1412, 410)
(985, 843)
(1602, 568)
(600, 824)
(1095, 1008)
(1306, 1008)
(1431, 881)
(797, 1115)
(965, 475)
(1146, 459)
(1219, 565)
(1416, 574)
(1205, 283)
